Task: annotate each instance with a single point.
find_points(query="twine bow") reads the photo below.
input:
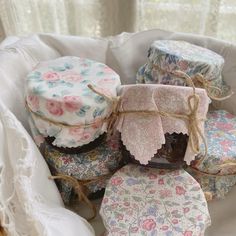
(192, 118)
(221, 167)
(200, 82)
(115, 104)
(81, 189)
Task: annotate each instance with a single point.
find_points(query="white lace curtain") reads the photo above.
(109, 17)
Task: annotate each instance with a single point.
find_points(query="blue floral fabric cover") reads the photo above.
(220, 131)
(166, 56)
(102, 160)
(146, 201)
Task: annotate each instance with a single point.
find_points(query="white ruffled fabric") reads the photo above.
(30, 203)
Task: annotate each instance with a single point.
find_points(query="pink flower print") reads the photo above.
(180, 190)
(152, 191)
(188, 233)
(120, 216)
(165, 193)
(126, 204)
(224, 126)
(183, 65)
(229, 116)
(129, 212)
(226, 145)
(77, 132)
(116, 181)
(149, 224)
(152, 176)
(134, 229)
(161, 181)
(105, 200)
(72, 103)
(199, 217)
(33, 102)
(86, 136)
(66, 160)
(175, 221)
(114, 205)
(51, 76)
(165, 227)
(213, 115)
(71, 77)
(105, 81)
(54, 107)
(186, 209)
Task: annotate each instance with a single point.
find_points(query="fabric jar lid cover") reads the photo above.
(61, 103)
(172, 55)
(148, 201)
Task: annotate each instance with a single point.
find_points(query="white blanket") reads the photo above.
(29, 202)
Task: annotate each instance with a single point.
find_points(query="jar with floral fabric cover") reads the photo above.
(70, 119)
(166, 58)
(204, 66)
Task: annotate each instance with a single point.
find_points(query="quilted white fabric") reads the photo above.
(124, 53)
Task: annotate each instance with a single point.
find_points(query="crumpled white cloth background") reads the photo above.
(39, 208)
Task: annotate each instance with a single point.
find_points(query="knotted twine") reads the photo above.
(199, 81)
(81, 189)
(191, 118)
(220, 167)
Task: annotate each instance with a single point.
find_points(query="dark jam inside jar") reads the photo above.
(85, 148)
(170, 156)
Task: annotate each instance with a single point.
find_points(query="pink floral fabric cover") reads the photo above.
(147, 131)
(57, 90)
(151, 202)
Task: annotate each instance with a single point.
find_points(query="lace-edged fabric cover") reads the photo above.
(143, 134)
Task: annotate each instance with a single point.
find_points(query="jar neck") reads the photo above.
(75, 150)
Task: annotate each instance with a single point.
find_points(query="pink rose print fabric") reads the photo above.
(54, 108)
(220, 131)
(136, 202)
(58, 91)
(147, 131)
(51, 76)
